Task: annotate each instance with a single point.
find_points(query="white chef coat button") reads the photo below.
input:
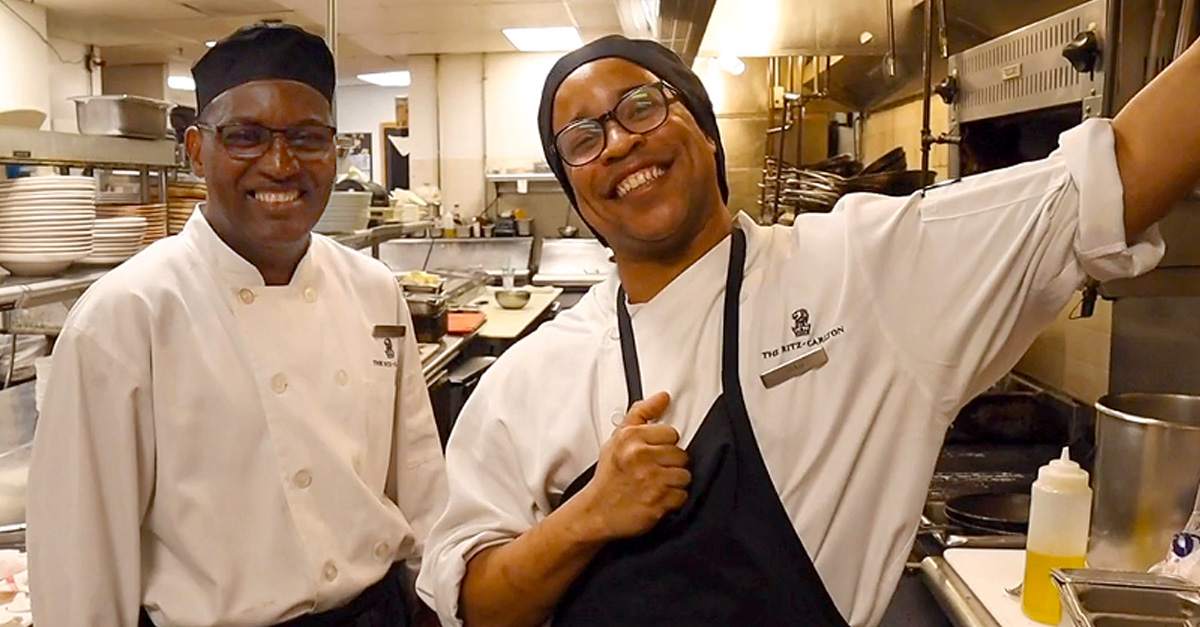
(341, 378)
(382, 551)
(310, 295)
(615, 334)
(302, 479)
(279, 384)
(331, 571)
(246, 296)
(617, 417)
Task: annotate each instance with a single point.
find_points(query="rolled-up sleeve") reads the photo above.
(1089, 154)
(489, 502)
(90, 484)
(964, 277)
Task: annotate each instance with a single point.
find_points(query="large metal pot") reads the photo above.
(1146, 473)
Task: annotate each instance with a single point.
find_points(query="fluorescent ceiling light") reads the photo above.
(401, 78)
(553, 39)
(211, 43)
(183, 83)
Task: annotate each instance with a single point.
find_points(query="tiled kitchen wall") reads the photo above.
(1072, 355)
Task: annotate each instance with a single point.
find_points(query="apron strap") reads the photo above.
(633, 372)
(730, 381)
(729, 345)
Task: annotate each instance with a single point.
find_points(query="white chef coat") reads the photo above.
(224, 452)
(920, 303)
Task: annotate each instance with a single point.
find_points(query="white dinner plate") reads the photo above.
(65, 230)
(59, 212)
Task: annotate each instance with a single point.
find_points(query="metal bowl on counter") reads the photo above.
(512, 299)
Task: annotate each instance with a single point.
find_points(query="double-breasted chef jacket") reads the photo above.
(920, 303)
(224, 452)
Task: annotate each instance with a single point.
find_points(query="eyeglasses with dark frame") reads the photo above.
(640, 110)
(251, 140)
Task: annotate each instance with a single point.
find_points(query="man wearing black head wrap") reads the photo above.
(812, 370)
(221, 442)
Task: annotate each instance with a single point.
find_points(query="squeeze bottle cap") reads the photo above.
(1063, 474)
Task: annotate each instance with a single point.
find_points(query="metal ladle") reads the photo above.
(566, 230)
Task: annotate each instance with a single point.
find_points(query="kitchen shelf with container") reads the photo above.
(50, 223)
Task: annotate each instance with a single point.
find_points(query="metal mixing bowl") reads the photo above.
(512, 299)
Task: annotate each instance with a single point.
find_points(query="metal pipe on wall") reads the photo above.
(927, 86)
(781, 142)
(762, 192)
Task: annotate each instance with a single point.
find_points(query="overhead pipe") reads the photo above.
(889, 61)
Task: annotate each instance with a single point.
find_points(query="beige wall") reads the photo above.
(901, 126)
(148, 80)
(1072, 355)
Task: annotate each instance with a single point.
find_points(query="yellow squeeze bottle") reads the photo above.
(1060, 512)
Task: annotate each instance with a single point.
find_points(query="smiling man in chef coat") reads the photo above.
(744, 419)
(219, 443)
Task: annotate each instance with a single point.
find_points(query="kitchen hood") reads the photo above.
(858, 30)
(677, 24)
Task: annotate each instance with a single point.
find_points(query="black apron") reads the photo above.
(730, 556)
(384, 604)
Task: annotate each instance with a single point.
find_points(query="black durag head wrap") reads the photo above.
(266, 51)
(653, 56)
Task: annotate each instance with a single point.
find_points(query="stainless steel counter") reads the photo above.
(435, 359)
(961, 605)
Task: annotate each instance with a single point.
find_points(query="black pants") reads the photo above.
(384, 604)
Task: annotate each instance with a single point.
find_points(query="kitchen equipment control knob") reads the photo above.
(947, 89)
(1083, 52)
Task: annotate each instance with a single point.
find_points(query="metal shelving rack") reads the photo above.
(20, 146)
(66, 150)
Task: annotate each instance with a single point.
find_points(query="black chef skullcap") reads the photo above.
(265, 51)
(651, 55)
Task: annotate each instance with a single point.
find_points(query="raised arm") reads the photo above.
(1158, 143)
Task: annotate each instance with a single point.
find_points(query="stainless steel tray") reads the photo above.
(122, 116)
(1106, 598)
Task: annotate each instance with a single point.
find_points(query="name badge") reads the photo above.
(388, 330)
(795, 367)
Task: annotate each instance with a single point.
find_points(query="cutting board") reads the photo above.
(987, 572)
(464, 322)
(508, 324)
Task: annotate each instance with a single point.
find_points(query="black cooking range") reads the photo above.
(979, 494)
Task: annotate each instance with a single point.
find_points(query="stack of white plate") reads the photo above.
(155, 216)
(346, 212)
(116, 240)
(46, 223)
(182, 198)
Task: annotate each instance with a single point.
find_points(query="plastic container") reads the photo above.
(1060, 512)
